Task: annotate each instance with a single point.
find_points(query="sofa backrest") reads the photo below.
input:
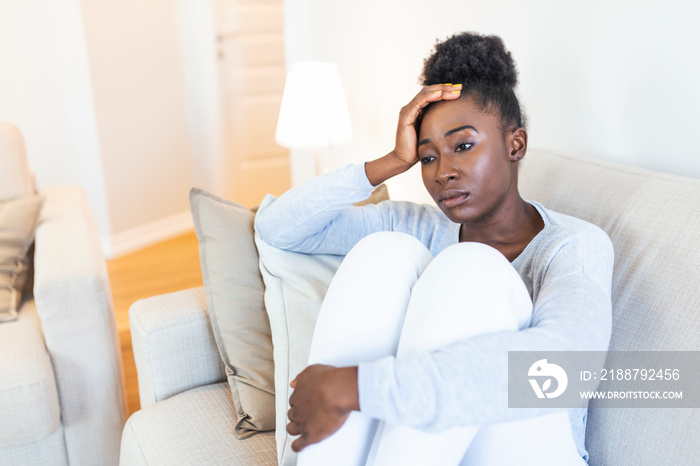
(653, 220)
(15, 178)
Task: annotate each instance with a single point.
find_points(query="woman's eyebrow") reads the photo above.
(449, 133)
(456, 130)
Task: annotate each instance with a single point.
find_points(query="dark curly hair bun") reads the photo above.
(484, 68)
(470, 58)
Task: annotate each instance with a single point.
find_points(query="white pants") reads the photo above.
(390, 297)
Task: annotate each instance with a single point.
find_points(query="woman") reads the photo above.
(421, 344)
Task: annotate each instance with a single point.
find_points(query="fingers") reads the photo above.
(293, 429)
(428, 95)
(299, 444)
(437, 92)
(447, 90)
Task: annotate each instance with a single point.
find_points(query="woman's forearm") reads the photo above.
(299, 220)
(383, 168)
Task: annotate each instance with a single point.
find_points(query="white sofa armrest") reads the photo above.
(74, 303)
(174, 346)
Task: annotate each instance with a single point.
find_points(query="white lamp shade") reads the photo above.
(314, 112)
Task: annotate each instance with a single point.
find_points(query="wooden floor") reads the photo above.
(165, 267)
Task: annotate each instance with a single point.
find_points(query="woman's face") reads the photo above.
(468, 166)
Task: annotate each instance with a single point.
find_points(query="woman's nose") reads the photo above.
(446, 171)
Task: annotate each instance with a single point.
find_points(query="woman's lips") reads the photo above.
(452, 197)
(454, 201)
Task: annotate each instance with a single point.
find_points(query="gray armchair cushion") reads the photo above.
(28, 397)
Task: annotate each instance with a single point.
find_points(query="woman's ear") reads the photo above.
(517, 144)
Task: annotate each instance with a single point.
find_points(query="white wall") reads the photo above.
(106, 95)
(135, 58)
(614, 80)
(197, 37)
(100, 92)
(45, 90)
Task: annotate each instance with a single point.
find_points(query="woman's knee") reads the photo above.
(473, 258)
(392, 251)
(364, 308)
(385, 240)
(482, 278)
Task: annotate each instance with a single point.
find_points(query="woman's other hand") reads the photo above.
(322, 400)
(405, 153)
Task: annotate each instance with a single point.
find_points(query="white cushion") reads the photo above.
(295, 285)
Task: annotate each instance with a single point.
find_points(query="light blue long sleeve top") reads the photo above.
(567, 269)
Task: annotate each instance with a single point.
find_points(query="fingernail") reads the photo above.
(456, 85)
(437, 92)
(455, 92)
(449, 84)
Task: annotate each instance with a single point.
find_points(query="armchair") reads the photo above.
(61, 382)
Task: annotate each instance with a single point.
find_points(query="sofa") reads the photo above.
(653, 219)
(61, 383)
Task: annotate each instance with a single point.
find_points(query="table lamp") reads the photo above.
(314, 113)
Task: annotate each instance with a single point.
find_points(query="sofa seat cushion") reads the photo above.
(28, 397)
(193, 428)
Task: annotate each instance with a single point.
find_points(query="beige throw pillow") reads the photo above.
(234, 290)
(18, 220)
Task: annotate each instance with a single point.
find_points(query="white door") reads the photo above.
(252, 73)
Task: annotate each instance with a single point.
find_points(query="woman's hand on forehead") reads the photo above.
(405, 153)
(406, 148)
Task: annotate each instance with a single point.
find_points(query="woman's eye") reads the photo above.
(427, 159)
(463, 146)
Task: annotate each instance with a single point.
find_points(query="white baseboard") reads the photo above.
(137, 238)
